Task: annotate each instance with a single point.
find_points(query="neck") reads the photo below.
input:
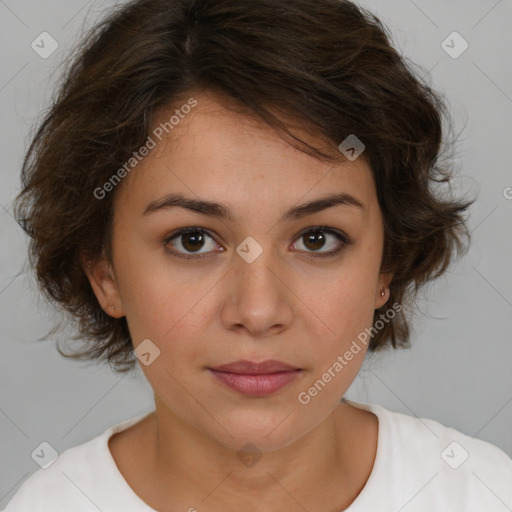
(334, 458)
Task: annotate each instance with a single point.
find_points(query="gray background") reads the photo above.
(458, 370)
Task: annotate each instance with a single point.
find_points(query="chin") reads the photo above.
(266, 432)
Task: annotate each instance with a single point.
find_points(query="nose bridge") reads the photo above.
(255, 269)
(259, 297)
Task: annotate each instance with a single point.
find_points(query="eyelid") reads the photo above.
(327, 229)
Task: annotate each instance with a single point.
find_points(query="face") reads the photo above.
(266, 281)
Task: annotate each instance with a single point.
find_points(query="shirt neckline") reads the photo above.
(130, 499)
(375, 484)
(360, 503)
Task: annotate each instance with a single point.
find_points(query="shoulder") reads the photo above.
(76, 480)
(420, 435)
(457, 464)
(436, 467)
(56, 485)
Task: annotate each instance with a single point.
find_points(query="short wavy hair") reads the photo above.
(327, 63)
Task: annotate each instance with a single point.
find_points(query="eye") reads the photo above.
(191, 239)
(322, 237)
(197, 243)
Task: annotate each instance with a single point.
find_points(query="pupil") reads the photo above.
(196, 239)
(316, 239)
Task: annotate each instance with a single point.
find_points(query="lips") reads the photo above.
(251, 368)
(255, 379)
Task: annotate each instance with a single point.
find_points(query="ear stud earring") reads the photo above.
(382, 292)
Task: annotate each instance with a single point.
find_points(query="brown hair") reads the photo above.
(327, 63)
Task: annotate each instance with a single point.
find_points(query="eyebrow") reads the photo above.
(220, 211)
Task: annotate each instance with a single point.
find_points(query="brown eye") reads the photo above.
(192, 241)
(189, 242)
(314, 240)
(196, 243)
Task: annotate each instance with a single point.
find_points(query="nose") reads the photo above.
(258, 295)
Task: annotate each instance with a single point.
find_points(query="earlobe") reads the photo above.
(104, 285)
(382, 294)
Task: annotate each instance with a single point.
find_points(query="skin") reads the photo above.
(285, 305)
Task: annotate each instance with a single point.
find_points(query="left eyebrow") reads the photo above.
(218, 210)
(323, 203)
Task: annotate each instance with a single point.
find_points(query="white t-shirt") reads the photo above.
(420, 465)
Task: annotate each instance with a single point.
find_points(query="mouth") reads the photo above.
(255, 379)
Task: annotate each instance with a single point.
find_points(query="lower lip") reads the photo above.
(256, 385)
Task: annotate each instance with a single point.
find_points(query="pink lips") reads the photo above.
(255, 379)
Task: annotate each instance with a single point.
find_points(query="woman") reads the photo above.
(239, 197)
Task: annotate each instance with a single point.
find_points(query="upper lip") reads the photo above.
(253, 368)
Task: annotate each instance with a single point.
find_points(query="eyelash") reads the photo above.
(342, 237)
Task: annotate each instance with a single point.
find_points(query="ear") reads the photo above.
(383, 285)
(101, 276)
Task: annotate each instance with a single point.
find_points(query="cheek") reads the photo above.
(343, 308)
(341, 305)
(158, 295)
(343, 311)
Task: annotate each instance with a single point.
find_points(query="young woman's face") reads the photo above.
(264, 282)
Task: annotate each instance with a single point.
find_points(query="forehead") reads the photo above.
(213, 150)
